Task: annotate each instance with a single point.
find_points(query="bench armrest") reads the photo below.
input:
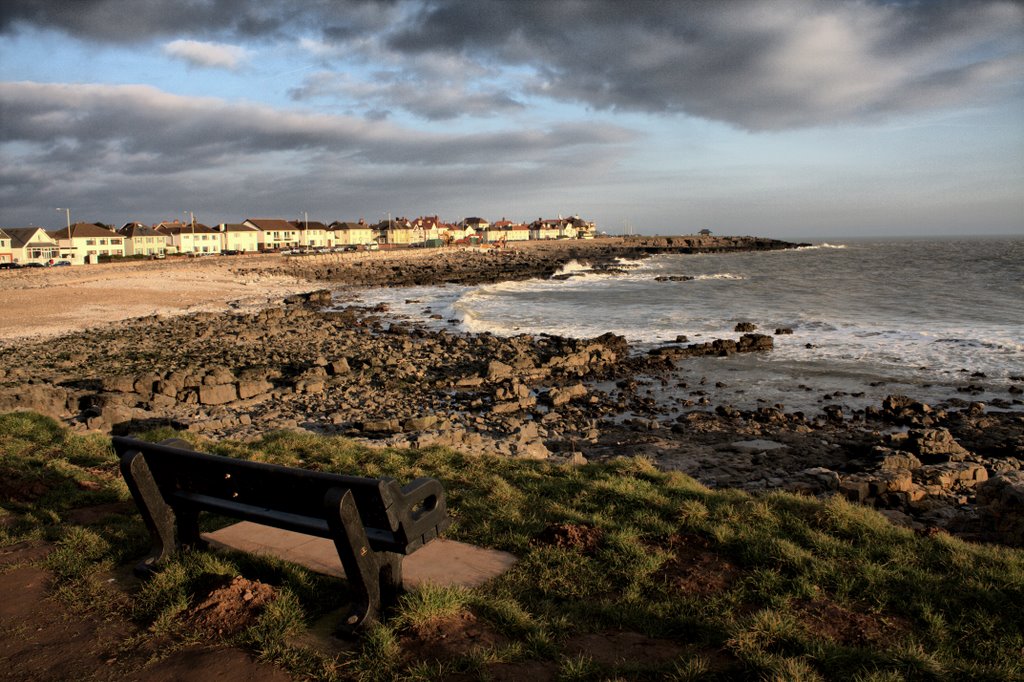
(420, 509)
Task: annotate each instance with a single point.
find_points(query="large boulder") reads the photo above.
(1001, 506)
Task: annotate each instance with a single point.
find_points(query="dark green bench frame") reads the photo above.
(373, 522)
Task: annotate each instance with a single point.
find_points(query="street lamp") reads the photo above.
(71, 245)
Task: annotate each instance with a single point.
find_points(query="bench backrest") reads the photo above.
(292, 497)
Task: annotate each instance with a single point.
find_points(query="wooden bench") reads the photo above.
(373, 522)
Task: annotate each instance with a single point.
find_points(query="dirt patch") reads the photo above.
(450, 637)
(695, 568)
(87, 516)
(232, 607)
(616, 648)
(18, 487)
(26, 552)
(824, 618)
(201, 664)
(535, 671)
(576, 536)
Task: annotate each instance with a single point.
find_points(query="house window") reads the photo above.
(90, 242)
(115, 242)
(103, 242)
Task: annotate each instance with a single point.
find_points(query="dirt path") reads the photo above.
(42, 639)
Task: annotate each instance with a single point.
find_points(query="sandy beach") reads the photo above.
(46, 303)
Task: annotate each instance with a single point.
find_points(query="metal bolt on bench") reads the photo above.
(373, 522)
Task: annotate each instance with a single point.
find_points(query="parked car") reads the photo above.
(33, 265)
(10, 266)
(62, 263)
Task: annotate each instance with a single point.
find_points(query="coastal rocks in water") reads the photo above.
(748, 343)
(745, 327)
(673, 278)
(780, 331)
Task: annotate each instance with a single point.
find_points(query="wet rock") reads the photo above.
(745, 327)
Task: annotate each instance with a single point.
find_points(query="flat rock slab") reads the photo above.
(755, 446)
(440, 562)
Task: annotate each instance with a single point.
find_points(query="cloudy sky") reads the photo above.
(787, 118)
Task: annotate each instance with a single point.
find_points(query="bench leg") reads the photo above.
(364, 568)
(158, 516)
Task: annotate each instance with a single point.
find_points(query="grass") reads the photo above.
(731, 585)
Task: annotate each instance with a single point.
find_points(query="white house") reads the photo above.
(142, 240)
(239, 237)
(6, 255)
(274, 233)
(32, 245)
(88, 240)
(190, 237)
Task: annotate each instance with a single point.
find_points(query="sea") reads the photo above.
(940, 320)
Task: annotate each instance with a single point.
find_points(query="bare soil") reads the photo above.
(42, 638)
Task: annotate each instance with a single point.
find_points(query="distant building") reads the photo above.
(274, 233)
(311, 233)
(6, 255)
(142, 240)
(31, 245)
(350, 234)
(239, 237)
(705, 232)
(88, 241)
(193, 238)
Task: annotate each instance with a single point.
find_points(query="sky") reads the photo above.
(801, 119)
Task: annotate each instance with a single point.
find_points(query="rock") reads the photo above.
(745, 327)
(756, 446)
(498, 371)
(250, 389)
(829, 479)
(119, 383)
(898, 460)
(217, 394)
(338, 367)
(1000, 503)
(557, 397)
(936, 445)
(779, 331)
(419, 423)
(381, 426)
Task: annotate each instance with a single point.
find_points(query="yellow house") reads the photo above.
(311, 233)
(88, 241)
(240, 238)
(274, 233)
(345, 234)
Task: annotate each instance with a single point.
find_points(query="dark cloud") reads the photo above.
(113, 148)
(132, 20)
(756, 64)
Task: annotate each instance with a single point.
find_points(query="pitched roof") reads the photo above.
(187, 228)
(22, 236)
(311, 225)
(268, 224)
(138, 230)
(83, 230)
(236, 227)
(4, 235)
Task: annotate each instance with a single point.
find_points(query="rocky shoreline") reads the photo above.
(298, 365)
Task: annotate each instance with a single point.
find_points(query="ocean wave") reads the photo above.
(823, 245)
(573, 267)
(719, 275)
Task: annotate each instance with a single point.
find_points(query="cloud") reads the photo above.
(209, 55)
(125, 145)
(755, 64)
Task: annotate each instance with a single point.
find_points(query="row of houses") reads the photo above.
(87, 242)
